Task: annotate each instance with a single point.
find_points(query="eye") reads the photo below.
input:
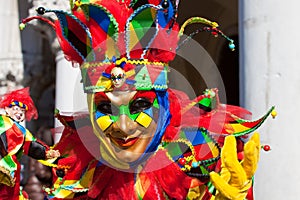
(104, 107)
(107, 108)
(139, 105)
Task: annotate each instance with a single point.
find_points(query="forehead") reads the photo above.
(15, 107)
(123, 97)
(117, 71)
(120, 97)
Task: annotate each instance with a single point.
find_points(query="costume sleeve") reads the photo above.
(34, 148)
(3, 145)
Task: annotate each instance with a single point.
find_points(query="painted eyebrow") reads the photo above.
(100, 96)
(144, 94)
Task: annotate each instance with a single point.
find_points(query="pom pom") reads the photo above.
(274, 114)
(266, 147)
(231, 46)
(165, 4)
(41, 10)
(22, 26)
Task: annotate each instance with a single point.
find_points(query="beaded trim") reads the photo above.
(189, 163)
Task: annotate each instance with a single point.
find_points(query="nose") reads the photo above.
(126, 125)
(20, 112)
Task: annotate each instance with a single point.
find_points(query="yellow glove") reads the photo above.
(235, 178)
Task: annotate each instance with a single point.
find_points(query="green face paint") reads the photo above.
(139, 110)
(124, 110)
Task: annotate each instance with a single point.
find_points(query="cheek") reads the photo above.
(103, 121)
(144, 119)
(147, 116)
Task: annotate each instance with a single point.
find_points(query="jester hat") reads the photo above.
(122, 44)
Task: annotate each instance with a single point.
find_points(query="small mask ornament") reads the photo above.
(118, 77)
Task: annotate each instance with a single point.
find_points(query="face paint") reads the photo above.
(126, 121)
(118, 77)
(16, 113)
(139, 110)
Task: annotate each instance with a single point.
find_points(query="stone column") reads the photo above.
(270, 60)
(11, 63)
(69, 95)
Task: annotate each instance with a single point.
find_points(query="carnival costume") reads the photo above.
(16, 140)
(126, 46)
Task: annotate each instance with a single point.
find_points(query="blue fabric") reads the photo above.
(165, 17)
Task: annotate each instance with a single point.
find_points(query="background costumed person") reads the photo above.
(16, 140)
(142, 139)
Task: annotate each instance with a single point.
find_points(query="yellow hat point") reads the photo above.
(78, 3)
(274, 113)
(22, 26)
(215, 24)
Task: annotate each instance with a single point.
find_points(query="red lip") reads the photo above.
(125, 143)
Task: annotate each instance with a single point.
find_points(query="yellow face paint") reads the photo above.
(143, 119)
(104, 122)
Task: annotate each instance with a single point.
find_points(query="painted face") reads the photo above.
(126, 121)
(16, 113)
(118, 77)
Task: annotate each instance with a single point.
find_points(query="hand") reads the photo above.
(52, 154)
(235, 178)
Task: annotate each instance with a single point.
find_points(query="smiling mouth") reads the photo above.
(124, 143)
(18, 117)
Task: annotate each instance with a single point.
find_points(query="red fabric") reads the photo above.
(250, 194)
(77, 148)
(9, 193)
(112, 184)
(12, 193)
(69, 52)
(164, 50)
(169, 177)
(160, 175)
(14, 137)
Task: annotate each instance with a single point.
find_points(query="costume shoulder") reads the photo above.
(78, 148)
(196, 143)
(12, 136)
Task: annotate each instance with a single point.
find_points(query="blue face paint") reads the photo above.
(164, 116)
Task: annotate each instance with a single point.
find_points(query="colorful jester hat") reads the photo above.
(122, 44)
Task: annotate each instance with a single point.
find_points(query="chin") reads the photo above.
(128, 157)
(132, 153)
(18, 120)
